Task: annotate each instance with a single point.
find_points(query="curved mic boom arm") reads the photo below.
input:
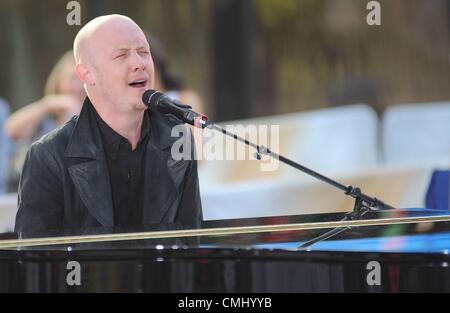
(363, 202)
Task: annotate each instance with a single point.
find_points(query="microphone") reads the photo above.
(159, 102)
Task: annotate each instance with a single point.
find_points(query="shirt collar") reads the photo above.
(111, 139)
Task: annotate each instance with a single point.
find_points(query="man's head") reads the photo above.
(114, 62)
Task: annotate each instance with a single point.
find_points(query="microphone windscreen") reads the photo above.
(151, 97)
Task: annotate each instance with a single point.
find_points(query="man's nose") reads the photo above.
(137, 62)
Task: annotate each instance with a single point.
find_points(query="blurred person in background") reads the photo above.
(4, 147)
(63, 98)
(167, 81)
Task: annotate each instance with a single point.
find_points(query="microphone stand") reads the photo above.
(363, 203)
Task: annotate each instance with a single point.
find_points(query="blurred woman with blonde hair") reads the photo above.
(63, 97)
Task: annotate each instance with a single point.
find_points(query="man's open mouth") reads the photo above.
(138, 83)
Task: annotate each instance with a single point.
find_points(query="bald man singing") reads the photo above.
(111, 166)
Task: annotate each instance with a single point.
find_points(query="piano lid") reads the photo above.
(401, 230)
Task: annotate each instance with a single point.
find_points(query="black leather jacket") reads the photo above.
(65, 182)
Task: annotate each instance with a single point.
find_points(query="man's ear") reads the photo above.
(85, 74)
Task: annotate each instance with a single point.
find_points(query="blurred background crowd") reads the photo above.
(368, 105)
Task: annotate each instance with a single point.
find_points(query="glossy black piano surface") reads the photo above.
(411, 257)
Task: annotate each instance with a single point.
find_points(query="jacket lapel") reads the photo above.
(163, 175)
(94, 190)
(90, 177)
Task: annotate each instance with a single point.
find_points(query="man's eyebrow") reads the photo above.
(121, 50)
(128, 49)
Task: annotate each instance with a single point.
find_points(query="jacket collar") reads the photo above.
(86, 141)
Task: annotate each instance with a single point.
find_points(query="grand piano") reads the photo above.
(385, 251)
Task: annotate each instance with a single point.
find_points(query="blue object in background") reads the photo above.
(422, 243)
(5, 145)
(425, 243)
(438, 191)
